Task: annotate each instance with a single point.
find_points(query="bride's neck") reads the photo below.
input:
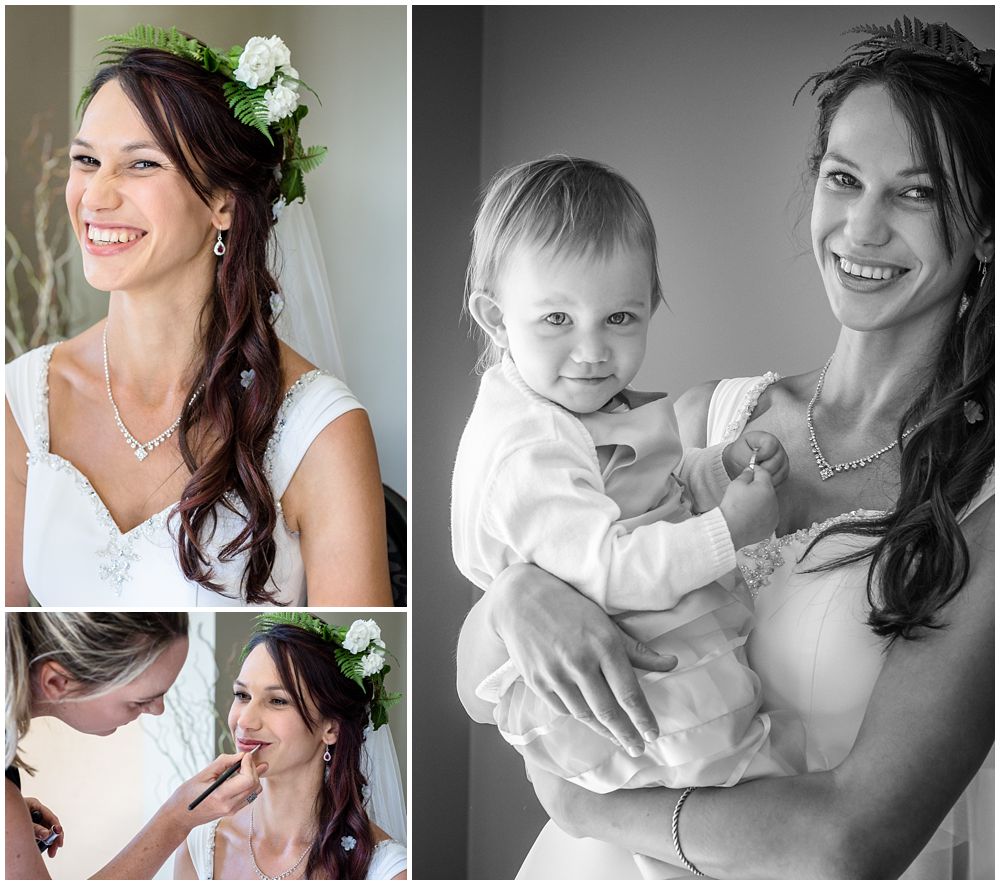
(154, 341)
(286, 808)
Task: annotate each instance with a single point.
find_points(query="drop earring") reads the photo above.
(327, 758)
(220, 247)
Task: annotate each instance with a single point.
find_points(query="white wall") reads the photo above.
(355, 59)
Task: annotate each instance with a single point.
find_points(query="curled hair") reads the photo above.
(184, 108)
(319, 691)
(563, 204)
(919, 558)
(99, 651)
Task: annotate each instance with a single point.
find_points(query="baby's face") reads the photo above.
(576, 325)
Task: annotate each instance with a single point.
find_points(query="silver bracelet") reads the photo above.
(674, 834)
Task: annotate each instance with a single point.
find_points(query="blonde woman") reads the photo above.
(97, 672)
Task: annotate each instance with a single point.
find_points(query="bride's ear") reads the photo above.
(330, 733)
(489, 315)
(223, 205)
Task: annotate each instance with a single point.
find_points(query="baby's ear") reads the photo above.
(487, 313)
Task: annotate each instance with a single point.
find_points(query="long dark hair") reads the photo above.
(920, 559)
(310, 674)
(185, 110)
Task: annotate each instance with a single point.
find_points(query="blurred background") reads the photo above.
(105, 789)
(355, 59)
(694, 106)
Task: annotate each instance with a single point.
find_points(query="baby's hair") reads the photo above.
(566, 205)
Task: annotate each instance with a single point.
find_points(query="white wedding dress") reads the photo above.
(816, 656)
(388, 859)
(75, 555)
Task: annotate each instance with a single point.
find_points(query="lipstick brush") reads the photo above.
(222, 778)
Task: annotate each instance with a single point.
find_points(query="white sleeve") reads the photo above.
(546, 503)
(704, 476)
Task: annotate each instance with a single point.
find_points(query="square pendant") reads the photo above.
(825, 473)
(141, 453)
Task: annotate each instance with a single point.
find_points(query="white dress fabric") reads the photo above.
(815, 655)
(99, 565)
(388, 859)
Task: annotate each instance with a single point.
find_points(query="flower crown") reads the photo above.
(359, 651)
(263, 92)
(935, 40)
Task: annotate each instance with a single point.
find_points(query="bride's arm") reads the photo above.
(16, 591)
(928, 727)
(335, 500)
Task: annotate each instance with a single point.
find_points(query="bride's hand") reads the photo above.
(573, 655)
(227, 799)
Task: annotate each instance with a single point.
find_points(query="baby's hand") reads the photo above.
(750, 508)
(770, 455)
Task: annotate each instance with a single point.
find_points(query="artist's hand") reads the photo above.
(771, 455)
(573, 655)
(227, 799)
(44, 822)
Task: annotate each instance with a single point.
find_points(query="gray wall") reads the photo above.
(693, 105)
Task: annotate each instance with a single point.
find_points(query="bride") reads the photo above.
(183, 455)
(875, 625)
(298, 697)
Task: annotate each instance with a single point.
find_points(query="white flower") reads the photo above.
(256, 66)
(360, 635)
(276, 301)
(280, 101)
(288, 75)
(281, 56)
(348, 843)
(372, 663)
(247, 377)
(278, 207)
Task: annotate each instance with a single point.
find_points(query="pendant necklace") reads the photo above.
(141, 450)
(826, 469)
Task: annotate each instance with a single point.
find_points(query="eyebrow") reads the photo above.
(903, 173)
(129, 148)
(266, 688)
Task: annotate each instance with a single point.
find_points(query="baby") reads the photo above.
(562, 465)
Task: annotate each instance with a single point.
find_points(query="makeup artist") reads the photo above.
(96, 672)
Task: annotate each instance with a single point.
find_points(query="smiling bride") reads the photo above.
(181, 453)
(302, 702)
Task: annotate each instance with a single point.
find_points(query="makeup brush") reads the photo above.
(222, 778)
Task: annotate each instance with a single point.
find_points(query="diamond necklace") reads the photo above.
(826, 469)
(253, 860)
(142, 450)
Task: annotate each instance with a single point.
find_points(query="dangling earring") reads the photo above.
(220, 247)
(326, 761)
(984, 268)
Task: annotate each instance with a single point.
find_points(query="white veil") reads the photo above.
(305, 320)
(385, 803)
(305, 316)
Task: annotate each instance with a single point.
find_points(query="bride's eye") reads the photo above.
(240, 695)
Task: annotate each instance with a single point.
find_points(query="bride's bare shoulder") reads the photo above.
(293, 365)
(78, 361)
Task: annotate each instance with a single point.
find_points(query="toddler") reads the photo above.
(562, 465)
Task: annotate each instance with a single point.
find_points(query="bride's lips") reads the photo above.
(244, 746)
(866, 284)
(93, 243)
